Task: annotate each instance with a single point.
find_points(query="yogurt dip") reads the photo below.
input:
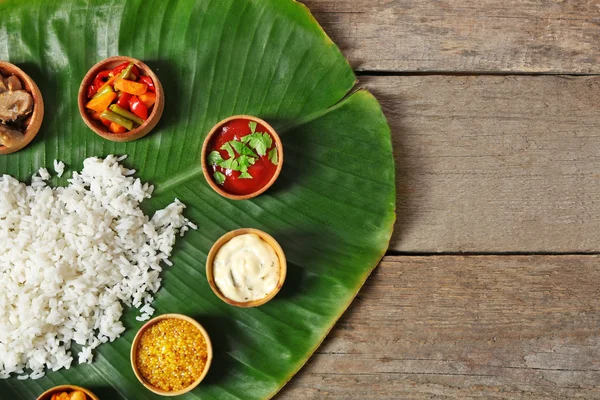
(246, 268)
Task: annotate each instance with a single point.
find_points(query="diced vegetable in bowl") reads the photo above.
(121, 99)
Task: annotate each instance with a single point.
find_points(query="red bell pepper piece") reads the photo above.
(123, 101)
(92, 89)
(148, 81)
(138, 108)
(101, 78)
(121, 67)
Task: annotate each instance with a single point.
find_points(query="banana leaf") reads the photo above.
(332, 208)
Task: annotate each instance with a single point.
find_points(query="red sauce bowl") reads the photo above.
(263, 170)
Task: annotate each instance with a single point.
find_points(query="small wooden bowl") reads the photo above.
(100, 129)
(136, 341)
(66, 388)
(226, 238)
(205, 167)
(36, 117)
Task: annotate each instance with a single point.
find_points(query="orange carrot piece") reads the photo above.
(116, 128)
(131, 87)
(148, 98)
(101, 103)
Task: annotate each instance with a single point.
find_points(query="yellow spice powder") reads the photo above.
(171, 354)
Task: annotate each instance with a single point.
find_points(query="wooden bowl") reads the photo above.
(36, 117)
(100, 129)
(47, 395)
(136, 341)
(205, 167)
(226, 238)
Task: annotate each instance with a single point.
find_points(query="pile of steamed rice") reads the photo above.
(71, 257)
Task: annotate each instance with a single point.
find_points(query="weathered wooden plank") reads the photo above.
(494, 164)
(502, 327)
(468, 35)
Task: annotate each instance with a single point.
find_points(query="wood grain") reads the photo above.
(494, 164)
(530, 36)
(499, 327)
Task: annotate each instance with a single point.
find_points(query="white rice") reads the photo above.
(71, 257)
(59, 167)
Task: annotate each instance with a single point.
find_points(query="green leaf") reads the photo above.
(258, 141)
(217, 58)
(214, 157)
(245, 175)
(274, 156)
(229, 149)
(245, 162)
(230, 163)
(219, 177)
(252, 126)
(241, 148)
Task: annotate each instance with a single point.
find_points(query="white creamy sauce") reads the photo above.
(246, 268)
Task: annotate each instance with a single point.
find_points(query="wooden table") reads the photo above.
(491, 286)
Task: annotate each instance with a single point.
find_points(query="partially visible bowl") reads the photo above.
(47, 395)
(100, 129)
(34, 121)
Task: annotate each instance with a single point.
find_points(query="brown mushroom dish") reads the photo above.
(16, 105)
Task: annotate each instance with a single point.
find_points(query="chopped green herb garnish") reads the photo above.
(242, 149)
(252, 126)
(274, 156)
(258, 141)
(243, 153)
(230, 163)
(245, 162)
(227, 147)
(214, 158)
(219, 178)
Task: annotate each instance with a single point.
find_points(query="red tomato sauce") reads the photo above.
(263, 169)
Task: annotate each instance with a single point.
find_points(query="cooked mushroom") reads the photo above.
(13, 83)
(9, 137)
(14, 105)
(3, 87)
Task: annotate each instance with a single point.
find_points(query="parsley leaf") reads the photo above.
(245, 175)
(259, 141)
(242, 149)
(274, 156)
(252, 126)
(245, 162)
(214, 158)
(227, 147)
(219, 178)
(230, 163)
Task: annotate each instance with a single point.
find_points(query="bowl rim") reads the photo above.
(205, 145)
(136, 340)
(141, 130)
(37, 116)
(226, 238)
(53, 390)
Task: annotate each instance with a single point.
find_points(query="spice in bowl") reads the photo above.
(171, 354)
